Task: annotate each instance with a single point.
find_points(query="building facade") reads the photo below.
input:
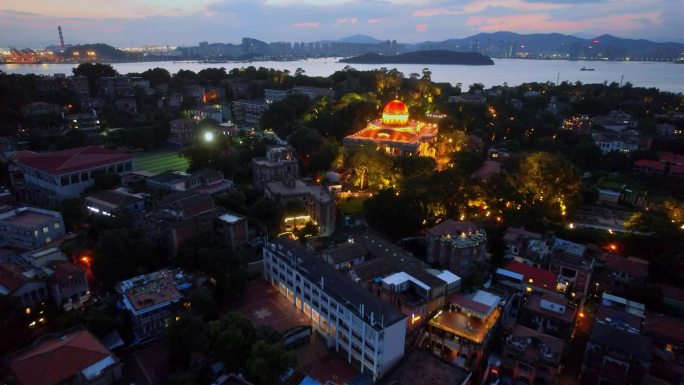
(367, 331)
(30, 227)
(51, 177)
(395, 134)
(179, 216)
(456, 246)
(151, 300)
(279, 163)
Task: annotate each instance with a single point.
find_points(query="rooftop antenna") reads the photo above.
(61, 38)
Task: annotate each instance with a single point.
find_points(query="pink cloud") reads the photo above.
(421, 27)
(346, 20)
(306, 24)
(374, 21)
(481, 5)
(545, 23)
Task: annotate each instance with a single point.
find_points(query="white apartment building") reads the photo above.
(368, 331)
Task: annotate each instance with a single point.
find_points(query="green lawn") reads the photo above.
(159, 161)
(351, 206)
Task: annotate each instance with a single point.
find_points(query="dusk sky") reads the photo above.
(33, 23)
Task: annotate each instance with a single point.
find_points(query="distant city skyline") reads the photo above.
(125, 23)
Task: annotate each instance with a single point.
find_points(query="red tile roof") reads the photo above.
(637, 268)
(647, 163)
(662, 326)
(75, 159)
(65, 271)
(54, 360)
(671, 157)
(11, 276)
(677, 169)
(540, 278)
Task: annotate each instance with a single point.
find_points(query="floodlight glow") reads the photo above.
(208, 136)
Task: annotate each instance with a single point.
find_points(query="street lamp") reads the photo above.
(208, 136)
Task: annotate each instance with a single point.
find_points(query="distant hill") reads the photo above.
(98, 51)
(507, 44)
(423, 57)
(359, 39)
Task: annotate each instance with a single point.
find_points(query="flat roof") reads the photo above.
(317, 192)
(149, 290)
(422, 367)
(29, 218)
(230, 218)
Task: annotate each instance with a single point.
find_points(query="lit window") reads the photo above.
(45, 229)
(57, 225)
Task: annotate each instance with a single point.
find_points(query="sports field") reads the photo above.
(159, 161)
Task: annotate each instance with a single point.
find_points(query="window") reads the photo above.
(74, 178)
(85, 176)
(64, 180)
(119, 167)
(45, 229)
(57, 225)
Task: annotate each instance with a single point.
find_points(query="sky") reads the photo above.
(129, 23)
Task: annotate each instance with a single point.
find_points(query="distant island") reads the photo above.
(423, 57)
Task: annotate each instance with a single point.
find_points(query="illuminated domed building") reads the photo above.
(396, 134)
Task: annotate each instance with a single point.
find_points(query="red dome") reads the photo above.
(396, 107)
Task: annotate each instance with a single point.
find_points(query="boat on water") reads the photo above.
(586, 69)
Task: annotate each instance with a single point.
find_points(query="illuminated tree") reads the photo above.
(549, 179)
(448, 144)
(371, 168)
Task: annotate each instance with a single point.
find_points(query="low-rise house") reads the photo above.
(233, 228)
(152, 300)
(51, 177)
(273, 95)
(470, 99)
(456, 246)
(40, 108)
(532, 357)
(552, 314)
(113, 203)
(85, 121)
(624, 272)
(649, 167)
(318, 203)
(526, 278)
(616, 351)
(205, 181)
(574, 264)
(279, 163)
(76, 357)
(527, 247)
(182, 131)
(667, 334)
(126, 105)
(249, 112)
(30, 227)
(461, 333)
(14, 283)
(314, 92)
(179, 216)
(345, 256)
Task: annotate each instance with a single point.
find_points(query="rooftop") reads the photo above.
(534, 276)
(621, 341)
(147, 291)
(53, 360)
(317, 192)
(636, 267)
(28, 216)
(339, 286)
(534, 304)
(421, 367)
(113, 198)
(514, 233)
(345, 252)
(11, 278)
(460, 322)
(654, 164)
(546, 346)
(459, 234)
(664, 327)
(66, 161)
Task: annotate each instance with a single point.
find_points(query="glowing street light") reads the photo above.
(208, 136)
